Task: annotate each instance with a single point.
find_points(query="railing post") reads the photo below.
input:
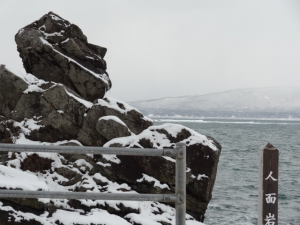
(180, 182)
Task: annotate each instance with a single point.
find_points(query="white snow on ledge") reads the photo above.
(160, 140)
(152, 179)
(86, 103)
(32, 81)
(200, 176)
(113, 104)
(11, 178)
(195, 137)
(95, 216)
(114, 118)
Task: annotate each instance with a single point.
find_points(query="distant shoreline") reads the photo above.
(222, 118)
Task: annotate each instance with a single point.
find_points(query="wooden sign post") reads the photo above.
(268, 185)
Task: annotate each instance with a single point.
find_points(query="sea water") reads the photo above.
(235, 194)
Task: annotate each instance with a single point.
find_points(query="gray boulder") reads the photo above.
(11, 90)
(131, 117)
(55, 50)
(202, 159)
(55, 114)
(112, 127)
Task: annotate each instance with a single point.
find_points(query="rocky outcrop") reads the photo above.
(63, 103)
(134, 120)
(55, 50)
(201, 150)
(52, 112)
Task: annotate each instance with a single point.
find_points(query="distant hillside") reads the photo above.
(279, 102)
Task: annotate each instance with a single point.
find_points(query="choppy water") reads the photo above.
(235, 194)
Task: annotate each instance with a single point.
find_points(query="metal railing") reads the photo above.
(179, 197)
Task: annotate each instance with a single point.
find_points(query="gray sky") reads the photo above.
(163, 48)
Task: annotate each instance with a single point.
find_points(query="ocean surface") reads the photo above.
(235, 194)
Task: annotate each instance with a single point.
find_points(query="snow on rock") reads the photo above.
(87, 104)
(194, 138)
(54, 114)
(160, 139)
(116, 119)
(94, 217)
(120, 106)
(199, 147)
(66, 212)
(152, 179)
(112, 127)
(200, 176)
(33, 82)
(110, 118)
(82, 162)
(65, 105)
(11, 178)
(79, 65)
(111, 158)
(104, 77)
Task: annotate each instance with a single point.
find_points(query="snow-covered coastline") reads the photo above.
(279, 103)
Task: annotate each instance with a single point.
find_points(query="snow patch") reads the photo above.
(94, 217)
(82, 162)
(65, 41)
(114, 118)
(200, 176)
(87, 104)
(33, 88)
(55, 17)
(11, 178)
(152, 179)
(115, 104)
(112, 158)
(103, 164)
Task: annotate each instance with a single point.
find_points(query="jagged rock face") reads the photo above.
(47, 112)
(201, 150)
(11, 89)
(55, 50)
(56, 113)
(134, 120)
(64, 105)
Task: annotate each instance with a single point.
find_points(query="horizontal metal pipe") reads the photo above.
(88, 150)
(89, 195)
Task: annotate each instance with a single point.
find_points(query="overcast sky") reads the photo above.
(163, 48)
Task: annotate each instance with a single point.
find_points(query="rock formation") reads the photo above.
(63, 103)
(55, 50)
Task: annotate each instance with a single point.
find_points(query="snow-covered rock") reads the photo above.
(61, 114)
(55, 111)
(202, 159)
(55, 50)
(112, 127)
